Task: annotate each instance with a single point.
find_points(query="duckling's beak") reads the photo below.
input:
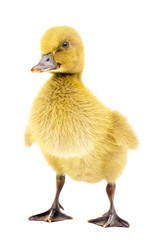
(46, 64)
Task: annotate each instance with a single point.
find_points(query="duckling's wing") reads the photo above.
(123, 131)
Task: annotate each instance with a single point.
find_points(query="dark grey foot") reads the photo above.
(52, 215)
(110, 219)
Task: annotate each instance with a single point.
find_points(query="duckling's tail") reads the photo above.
(123, 131)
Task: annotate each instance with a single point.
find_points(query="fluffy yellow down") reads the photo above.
(77, 134)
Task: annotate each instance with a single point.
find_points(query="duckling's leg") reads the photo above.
(110, 219)
(53, 214)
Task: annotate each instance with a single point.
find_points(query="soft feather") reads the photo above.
(78, 135)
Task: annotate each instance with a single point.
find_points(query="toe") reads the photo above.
(101, 221)
(40, 217)
(123, 222)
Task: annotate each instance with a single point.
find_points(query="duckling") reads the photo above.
(77, 134)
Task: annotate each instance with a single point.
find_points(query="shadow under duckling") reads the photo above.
(77, 134)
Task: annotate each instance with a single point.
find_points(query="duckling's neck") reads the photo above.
(67, 75)
(66, 79)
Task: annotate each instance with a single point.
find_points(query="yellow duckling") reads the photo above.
(76, 133)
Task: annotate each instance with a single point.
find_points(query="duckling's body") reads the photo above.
(77, 134)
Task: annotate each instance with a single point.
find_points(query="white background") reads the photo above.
(122, 47)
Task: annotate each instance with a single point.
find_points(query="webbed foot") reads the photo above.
(52, 215)
(110, 219)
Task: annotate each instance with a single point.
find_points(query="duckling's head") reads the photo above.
(62, 51)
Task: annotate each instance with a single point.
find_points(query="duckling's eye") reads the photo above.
(65, 44)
